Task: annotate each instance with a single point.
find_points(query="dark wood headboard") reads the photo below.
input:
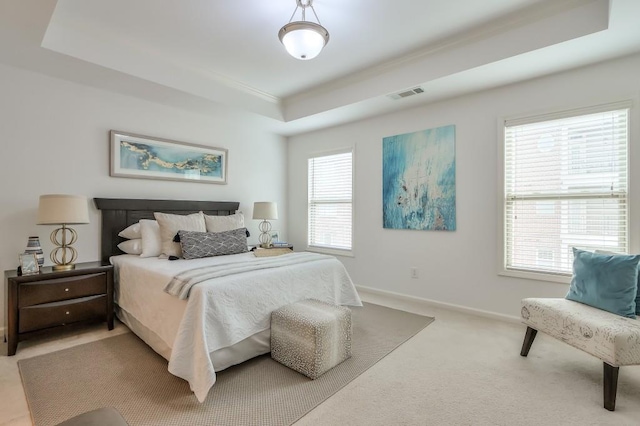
(118, 213)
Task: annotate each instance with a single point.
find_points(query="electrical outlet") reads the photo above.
(414, 272)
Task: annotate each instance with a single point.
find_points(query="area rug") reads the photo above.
(123, 372)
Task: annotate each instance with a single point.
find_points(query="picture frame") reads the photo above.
(146, 157)
(275, 236)
(29, 264)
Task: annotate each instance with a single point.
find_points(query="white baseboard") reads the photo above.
(435, 303)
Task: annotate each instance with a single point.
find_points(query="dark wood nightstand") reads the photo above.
(56, 298)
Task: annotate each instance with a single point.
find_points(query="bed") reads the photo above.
(208, 326)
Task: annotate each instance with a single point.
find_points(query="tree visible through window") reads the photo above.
(565, 185)
(330, 201)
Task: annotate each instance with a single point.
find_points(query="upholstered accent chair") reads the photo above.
(612, 338)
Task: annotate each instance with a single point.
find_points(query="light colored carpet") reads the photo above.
(467, 370)
(124, 373)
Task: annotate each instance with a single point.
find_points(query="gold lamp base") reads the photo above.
(63, 255)
(265, 234)
(66, 267)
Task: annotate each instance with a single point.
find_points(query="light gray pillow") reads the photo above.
(170, 224)
(151, 241)
(131, 246)
(224, 223)
(196, 245)
(131, 232)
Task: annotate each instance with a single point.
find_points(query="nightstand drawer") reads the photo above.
(59, 313)
(61, 289)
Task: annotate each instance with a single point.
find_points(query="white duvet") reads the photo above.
(225, 310)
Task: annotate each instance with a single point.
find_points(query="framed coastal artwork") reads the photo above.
(145, 157)
(419, 180)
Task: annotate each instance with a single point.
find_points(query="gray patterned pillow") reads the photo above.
(206, 244)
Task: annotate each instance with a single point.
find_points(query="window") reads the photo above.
(331, 201)
(565, 185)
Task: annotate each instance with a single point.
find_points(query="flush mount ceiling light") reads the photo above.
(304, 39)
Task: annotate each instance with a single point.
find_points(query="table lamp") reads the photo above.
(59, 209)
(265, 210)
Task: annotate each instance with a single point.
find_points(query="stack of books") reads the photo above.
(280, 244)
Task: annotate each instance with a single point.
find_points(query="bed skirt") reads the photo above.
(251, 347)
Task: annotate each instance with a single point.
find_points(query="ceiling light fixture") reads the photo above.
(304, 39)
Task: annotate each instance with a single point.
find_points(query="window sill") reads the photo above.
(334, 252)
(538, 276)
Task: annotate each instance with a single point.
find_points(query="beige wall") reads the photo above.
(460, 267)
(54, 139)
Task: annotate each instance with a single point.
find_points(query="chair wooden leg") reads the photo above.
(529, 337)
(610, 386)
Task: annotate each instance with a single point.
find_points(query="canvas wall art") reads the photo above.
(145, 157)
(419, 180)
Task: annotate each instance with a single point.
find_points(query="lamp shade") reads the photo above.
(304, 40)
(266, 210)
(57, 209)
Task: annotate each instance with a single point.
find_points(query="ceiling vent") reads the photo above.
(407, 93)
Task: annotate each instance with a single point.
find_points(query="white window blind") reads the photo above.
(331, 201)
(565, 185)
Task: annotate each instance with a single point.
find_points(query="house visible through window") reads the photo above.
(565, 185)
(330, 201)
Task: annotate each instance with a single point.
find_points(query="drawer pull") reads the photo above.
(67, 313)
(66, 289)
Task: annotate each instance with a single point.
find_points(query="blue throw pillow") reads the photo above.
(638, 294)
(605, 281)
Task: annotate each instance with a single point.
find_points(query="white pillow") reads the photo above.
(131, 246)
(170, 224)
(131, 232)
(224, 223)
(151, 241)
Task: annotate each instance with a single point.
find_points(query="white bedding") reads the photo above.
(223, 311)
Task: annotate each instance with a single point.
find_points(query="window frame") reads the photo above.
(564, 278)
(331, 250)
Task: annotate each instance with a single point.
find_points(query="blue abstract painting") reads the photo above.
(419, 180)
(139, 156)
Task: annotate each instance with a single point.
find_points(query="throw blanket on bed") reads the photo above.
(181, 284)
(235, 301)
